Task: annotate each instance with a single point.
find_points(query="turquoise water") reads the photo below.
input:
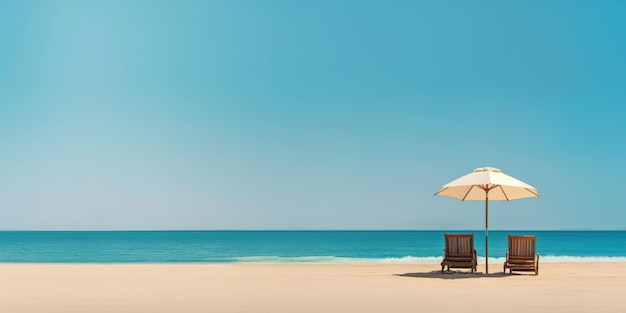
(290, 246)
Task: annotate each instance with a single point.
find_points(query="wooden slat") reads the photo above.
(459, 251)
(522, 255)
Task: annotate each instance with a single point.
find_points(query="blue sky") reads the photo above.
(309, 114)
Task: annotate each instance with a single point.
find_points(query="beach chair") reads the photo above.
(522, 254)
(459, 252)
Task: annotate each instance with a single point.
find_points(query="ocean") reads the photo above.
(290, 246)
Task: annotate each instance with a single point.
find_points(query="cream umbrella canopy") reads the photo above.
(487, 183)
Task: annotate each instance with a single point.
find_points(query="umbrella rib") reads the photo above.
(489, 188)
(442, 189)
(467, 193)
(534, 193)
(504, 193)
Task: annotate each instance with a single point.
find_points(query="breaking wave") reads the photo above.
(415, 260)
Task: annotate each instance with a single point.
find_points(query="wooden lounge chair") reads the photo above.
(522, 255)
(459, 252)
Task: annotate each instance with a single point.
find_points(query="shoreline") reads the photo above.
(306, 287)
(407, 260)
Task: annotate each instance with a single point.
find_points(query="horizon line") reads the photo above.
(302, 230)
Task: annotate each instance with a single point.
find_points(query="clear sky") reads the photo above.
(309, 114)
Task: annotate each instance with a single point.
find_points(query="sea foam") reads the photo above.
(413, 259)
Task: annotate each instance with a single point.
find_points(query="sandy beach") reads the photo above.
(257, 287)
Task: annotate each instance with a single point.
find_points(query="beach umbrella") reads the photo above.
(487, 183)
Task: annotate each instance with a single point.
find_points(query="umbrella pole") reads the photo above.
(487, 232)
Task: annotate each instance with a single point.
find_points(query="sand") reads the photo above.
(257, 287)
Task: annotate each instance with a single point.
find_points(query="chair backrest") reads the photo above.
(459, 244)
(522, 246)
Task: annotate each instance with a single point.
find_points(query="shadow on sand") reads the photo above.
(455, 275)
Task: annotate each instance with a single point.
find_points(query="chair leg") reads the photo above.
(537, 266)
